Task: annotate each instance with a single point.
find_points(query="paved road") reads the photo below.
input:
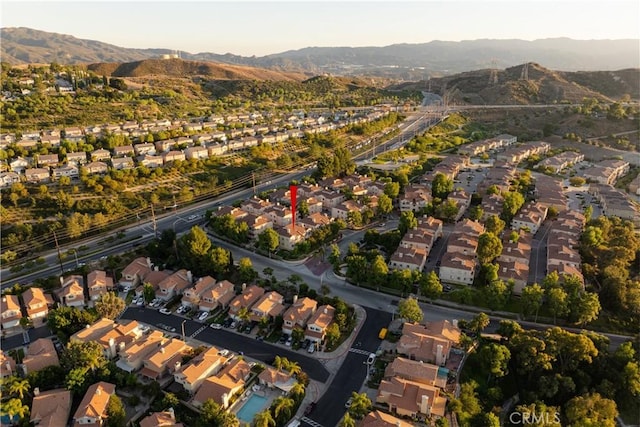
(352, 373)
(222, 338)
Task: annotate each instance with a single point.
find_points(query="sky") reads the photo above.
(265, 27)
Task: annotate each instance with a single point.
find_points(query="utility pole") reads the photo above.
(59, 255)
(153, 220)
(253, 180)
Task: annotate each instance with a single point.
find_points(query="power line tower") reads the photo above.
(493, 73)
(524, 74)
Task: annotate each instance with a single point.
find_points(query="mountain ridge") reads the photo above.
(411, 60)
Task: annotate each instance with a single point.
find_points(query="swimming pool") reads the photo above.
(249, 410)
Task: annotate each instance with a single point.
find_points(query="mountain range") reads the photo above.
(399, 61)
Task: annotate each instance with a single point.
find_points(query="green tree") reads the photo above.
(360, 405)
(15, 386)
(148, 292)
(14, 407)
(408, 221)
(332, 334)
(494, 225)
(513, 201)
(385, 204)
(246, 271)
(531, 299)
(212, 414)
(430, 285)
(194, 250)
(587, 308)
(441, 186)
(282, 407)
(392, 189)
(268, 240)
(116, 415)
(76, 380)
(497, 294)
(379, 270)
(489, 247)
(591, 410)
(347, 421)
(219, 260)
(354, 218)
(87, 355)
(110, 305)
(479, 322)
(495, 358)
(303, 209)
(410, 310)
(264, 419)
(475, 213)
(557, 302)
(334, 256)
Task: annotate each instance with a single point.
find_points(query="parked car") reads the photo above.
(305, 344)
(165, 310)
(216, 326)
(312, 348)
(203, 315)
(371, 359)
(283, 338)
(233, 325)
(348, 403)
(289, 341)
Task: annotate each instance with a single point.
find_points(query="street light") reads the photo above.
(183, 338)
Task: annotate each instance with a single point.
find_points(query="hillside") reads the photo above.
(541, 85)
(181, 68)
(399, 61)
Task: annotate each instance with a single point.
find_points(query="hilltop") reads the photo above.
(175, 67)
(531, 84)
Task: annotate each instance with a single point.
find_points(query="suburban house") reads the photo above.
(269, 305)
(98, 283)
(458, 268)
(411, 398)
(415, 370)
(77, 158)
(133, 273)
(93, 408)
(11, 313)
(415, 197)
(200, 368)
(40, 354)
(517, 249)
(491, 205)
(132, 356)
(290, 235)
(47, 160)
(298, 314)
(166, 359)
(382, 419)
(72, 292)
(69, 170)
(123, 163)
(161, 419)
(112, 336)
(100, 155)
(530, 217)
(8, 178)
(318, 323)
(408, 258)
(96, 167)
(462, 199)
(50, 408)
(197, 153)
(191, 296)
(36, 175)
(219, 295)
(7, 365)
(37, 305)
(431, 343)
(515, 271)
(342, 209)
(222, 386)
(173, 156)
(174, 284)
(256, 223)
(246, 299)
(275, 378)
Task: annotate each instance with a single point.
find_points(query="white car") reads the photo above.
(289, 341)
(312, 348)
(165, 310)
(203, 316)
(216, 326)
(371, 359)
(182, 309)
(140, 301)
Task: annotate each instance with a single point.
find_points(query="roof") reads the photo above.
(230, 378)
(140, 266)
(94, 331)
(99, 278)
(94, 403)
(247, 298)
(382, 419)
(413, 370)
(422, 343)
(408, 395)
(169, 349)
(201, 365)
(51, 408)
(160, 419)
(10, 302)
(4, 360)
(280, 379)
(301, 310)
(40, 354)
(322, 317)
(270, 304)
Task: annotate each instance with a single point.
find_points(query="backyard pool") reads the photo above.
(249, 410)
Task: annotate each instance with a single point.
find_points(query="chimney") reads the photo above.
(162, 350)
(189, 276)
(295, 299)
(176, 366)
(36, 391)
(244, 286)
(455, 323)
(326, 310)
(98, 391)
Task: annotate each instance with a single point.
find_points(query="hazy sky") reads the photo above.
(264, 27)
